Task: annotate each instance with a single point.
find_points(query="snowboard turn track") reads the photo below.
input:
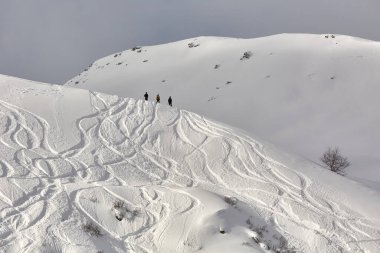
(161, 162)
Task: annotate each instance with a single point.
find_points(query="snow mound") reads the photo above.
(83, 171)
(299, 91)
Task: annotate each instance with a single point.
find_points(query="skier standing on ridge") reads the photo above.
(170, 101)
(158, 98)
(146, 96)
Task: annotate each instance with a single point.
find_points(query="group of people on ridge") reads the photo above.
(158, 98)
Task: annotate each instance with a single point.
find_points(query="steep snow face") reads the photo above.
(81, 171)
(302, 92)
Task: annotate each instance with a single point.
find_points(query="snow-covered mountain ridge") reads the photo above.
(302, 92)
(153, 178)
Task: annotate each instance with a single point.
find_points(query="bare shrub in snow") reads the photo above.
(261, 230)
(118, 209)
(332, 36)
(283, 246)
(136, 48)
(335, 161)
(122, 211)
(267, 239)
(192, 44)
(256, 228)
(246, 55)
(216, 66)
(92, 229)
(118, 204)
(231, 200)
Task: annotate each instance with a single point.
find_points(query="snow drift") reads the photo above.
(82, 171)
(302, 92)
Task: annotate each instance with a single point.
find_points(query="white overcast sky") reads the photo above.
(53, 40)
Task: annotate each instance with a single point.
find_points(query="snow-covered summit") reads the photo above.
(82, 171)
(302, 92)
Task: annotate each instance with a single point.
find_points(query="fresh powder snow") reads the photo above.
(82, 171)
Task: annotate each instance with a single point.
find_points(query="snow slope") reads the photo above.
(153, 178)
(302, 92)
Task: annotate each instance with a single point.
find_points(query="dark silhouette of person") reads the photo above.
(146, 96)
(170, 101)
(158, 98)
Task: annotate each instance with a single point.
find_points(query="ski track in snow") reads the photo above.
(123, 149)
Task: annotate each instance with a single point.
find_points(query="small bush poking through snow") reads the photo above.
(118, 204)
(261, 230)
(92, 229)
(284, 248)
(332, 36)
(262, 236)
(118, 209)
(192, 44)
(122, 211)
(246, 55)
(335, 161)
(216, 66)
(231, 200)
(136, 48)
